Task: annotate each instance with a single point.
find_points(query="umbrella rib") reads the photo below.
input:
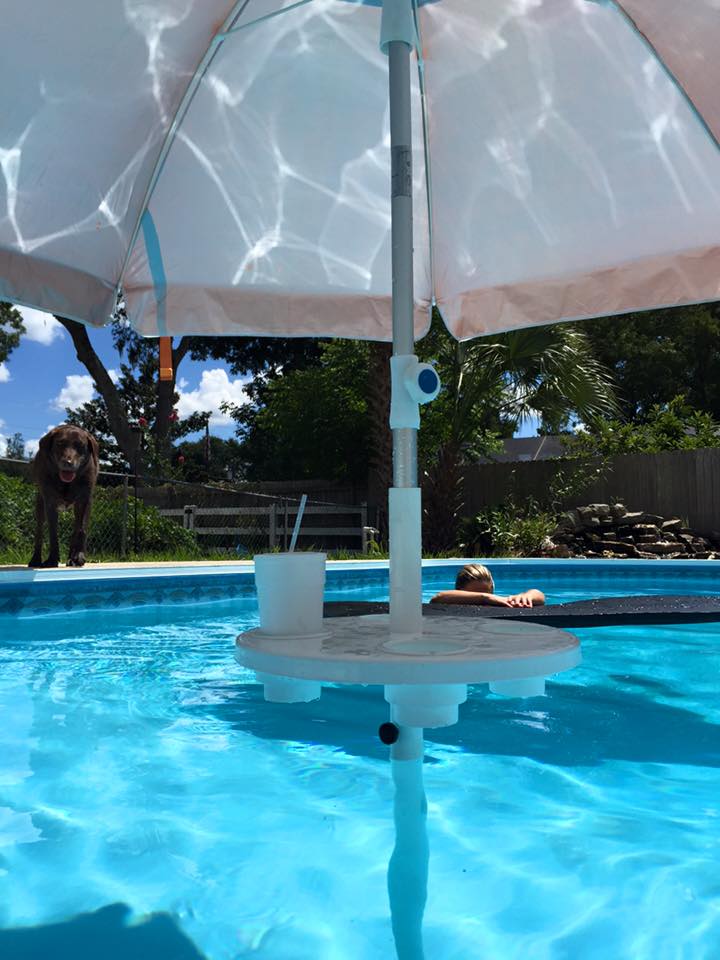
(668, 72)
(215, 42)
(268, 16)
(426, 150)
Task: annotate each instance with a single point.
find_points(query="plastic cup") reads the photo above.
(290, 589)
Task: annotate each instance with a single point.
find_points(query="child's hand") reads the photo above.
(520, 600)
(496, 601)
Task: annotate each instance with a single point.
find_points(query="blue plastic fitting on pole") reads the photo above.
(412, 383)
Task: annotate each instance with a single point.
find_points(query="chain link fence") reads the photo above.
(150, 518)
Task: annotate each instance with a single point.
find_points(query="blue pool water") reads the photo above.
(152, 805)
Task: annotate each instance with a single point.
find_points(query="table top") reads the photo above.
(450, 650)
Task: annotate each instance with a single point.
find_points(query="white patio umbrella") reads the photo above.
(228, 166)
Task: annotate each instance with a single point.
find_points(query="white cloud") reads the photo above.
(114, 376)
(41, 327)
(31, 447)
(78, 389)
(215, 387)
(4, 373)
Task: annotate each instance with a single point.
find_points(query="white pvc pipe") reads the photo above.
(408, 868)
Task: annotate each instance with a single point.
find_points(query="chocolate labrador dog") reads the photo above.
(65, 469)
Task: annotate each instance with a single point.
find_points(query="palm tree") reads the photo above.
(500, 379)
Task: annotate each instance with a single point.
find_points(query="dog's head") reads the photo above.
(70, 451)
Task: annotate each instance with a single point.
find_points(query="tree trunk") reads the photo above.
(127, 440)
(442, 501)
(380, 462)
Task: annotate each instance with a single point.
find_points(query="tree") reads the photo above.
(660, 354)
(11, 329)
(490, 385)
(225, 463)
(311, 422)
(15, 447)
(672, 426)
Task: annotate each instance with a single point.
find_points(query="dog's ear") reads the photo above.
(46, 442)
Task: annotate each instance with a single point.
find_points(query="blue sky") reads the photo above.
(43, 376)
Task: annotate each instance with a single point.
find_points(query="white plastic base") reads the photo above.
(289, 690)
(425, 676)
(425, 704)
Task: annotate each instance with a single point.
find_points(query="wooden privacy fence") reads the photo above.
(679, 483)
(271, 526)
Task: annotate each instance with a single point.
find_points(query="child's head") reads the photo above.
(474, 576)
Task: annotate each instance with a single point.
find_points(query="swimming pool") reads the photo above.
(140, 767)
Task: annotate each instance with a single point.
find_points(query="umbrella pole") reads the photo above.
(404, 509)
(408, 868)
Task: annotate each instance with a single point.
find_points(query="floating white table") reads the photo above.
(513, 657)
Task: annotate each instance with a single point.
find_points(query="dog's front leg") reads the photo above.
(51, 512)
(36, 559)
(79, 537)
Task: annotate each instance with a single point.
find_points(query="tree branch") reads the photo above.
(117, 417)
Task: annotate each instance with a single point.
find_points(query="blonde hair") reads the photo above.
(471, 572)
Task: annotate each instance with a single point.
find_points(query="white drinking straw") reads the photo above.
(298, 521)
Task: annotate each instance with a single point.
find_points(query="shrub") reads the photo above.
(508, 530)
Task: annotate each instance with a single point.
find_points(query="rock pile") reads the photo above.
(611, 530)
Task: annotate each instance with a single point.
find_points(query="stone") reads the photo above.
(588, 517)
(659, 548)
(647, 528)
(653, 518)
(671, 525)
(618, 510)
(630, 518)
(624, 549)
(600, 509)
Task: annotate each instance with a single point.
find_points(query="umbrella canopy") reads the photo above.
(227, 164)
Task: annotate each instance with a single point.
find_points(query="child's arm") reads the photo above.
(470, 596)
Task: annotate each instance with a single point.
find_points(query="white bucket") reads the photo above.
(290, 588)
